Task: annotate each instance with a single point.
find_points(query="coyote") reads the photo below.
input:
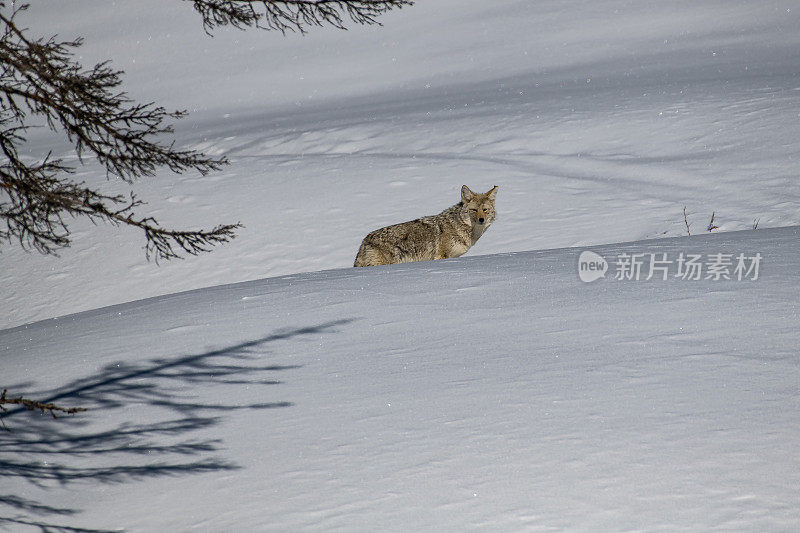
(449, 234)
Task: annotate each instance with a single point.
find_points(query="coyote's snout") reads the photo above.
(449, 234)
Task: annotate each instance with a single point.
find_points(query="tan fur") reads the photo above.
(449, 234)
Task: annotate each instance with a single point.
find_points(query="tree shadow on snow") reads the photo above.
(50, 453)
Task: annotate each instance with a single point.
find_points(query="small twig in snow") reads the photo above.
(686, 221)
(711, 225)
(30, 405)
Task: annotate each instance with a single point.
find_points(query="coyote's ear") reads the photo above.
(492, 193)
(466, 194)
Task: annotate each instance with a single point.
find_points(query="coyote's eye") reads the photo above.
(474, 210)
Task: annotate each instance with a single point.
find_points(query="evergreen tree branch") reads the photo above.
(40, 78)
(291, 15)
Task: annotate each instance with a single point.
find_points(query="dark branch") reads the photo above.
(291, 15)
(41, 78)
(31, 405)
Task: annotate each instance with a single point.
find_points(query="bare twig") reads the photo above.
(686, 221)
(711, 225)
(31, 405)
(755, 223)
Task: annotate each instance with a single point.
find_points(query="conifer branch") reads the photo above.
(41, 78)
(291, 15)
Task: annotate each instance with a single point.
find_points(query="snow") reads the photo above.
(599, 121)
(495, 392)
(283, 390)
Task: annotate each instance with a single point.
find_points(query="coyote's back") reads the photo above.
(449, 234)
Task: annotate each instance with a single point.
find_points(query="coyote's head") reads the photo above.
(479, 207)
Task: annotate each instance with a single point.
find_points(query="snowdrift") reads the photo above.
(599, 120)
(496, 392)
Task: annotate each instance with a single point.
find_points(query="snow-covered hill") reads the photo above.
(599, 121)
(494, 393)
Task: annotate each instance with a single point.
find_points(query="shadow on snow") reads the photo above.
(50, 453)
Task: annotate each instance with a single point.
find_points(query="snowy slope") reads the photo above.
(598, 120)
(494, 393)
